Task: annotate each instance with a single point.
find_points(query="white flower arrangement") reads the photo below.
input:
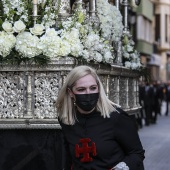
(19, 33)
(28, 45)
(7, 42)
(111, 20)
(130, 56)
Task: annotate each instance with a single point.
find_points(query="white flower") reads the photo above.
(7, 42)
(51, 32)
(129, 48)
(38, 29)
(126, 55)
(127, 64)
(19, 26)
(28, 45)
(85, 54)
(108, 56)
(73, 39)
(54, 46)
(7, 26)
(111, 20)
(97, 56)
(91, 40)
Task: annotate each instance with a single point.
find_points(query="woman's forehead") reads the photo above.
(86, 80)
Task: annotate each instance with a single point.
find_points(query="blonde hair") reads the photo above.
(65, 104)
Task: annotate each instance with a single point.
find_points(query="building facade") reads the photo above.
(161, 29)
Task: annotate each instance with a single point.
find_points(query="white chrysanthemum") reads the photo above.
(7, 42)
(28, 45)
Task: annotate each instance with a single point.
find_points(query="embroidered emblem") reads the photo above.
(85, 149)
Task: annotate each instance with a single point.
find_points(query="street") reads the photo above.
(156, 142)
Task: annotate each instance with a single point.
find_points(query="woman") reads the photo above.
(98, 135)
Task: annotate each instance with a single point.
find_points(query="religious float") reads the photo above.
(40, 42)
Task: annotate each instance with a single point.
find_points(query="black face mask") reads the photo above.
(87, 102)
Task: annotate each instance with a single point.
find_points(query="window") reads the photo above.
(157, 28)
(144, 27)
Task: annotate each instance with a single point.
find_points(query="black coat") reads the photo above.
(116, 140)
(167, 94)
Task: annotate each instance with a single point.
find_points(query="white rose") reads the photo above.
(37, 29)
(7, 26)
(19, 26)
(51, 32)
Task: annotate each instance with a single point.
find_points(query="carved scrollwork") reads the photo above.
(27, 96)
(12, 94)
(46, 89)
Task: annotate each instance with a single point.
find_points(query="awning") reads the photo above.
(155, 59)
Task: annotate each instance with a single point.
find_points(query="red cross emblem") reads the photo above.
(85, 149)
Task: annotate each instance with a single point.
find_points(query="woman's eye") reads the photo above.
(80, 90)
(93, 88)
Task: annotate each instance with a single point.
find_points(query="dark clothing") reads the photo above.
(156, 105)
(148, 98)
(116, 140)
(167, 99)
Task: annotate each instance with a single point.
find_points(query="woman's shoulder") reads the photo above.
(119, 115)
(119, 112)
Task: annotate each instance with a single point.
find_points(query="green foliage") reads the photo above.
(15, 59)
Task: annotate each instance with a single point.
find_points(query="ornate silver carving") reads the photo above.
(114, 89)
(118, 52)
(27, 98)
(125, 3)
(124, 100)
(134, 85)
(64, 6)
(29, 95)
(29, 124)
(12, 95)
(46, 89)
(79, 5)
(64, 10)
(92, 19)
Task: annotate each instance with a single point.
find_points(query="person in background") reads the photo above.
(161, 97)
(156, 102)
(148, 101)
(98, 135)
(167, 97)
(141, 116)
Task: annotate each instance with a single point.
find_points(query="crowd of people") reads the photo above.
(151, 97)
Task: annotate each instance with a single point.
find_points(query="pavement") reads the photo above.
(155, 139)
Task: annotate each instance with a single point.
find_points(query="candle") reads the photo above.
(35, 1)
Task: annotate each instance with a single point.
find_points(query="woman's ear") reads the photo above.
(70, 92)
